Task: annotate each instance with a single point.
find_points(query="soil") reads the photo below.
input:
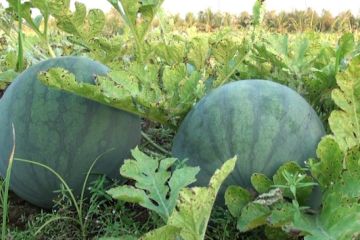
(20, 212)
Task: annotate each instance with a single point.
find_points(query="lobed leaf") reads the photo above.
(156, 188)
(345, 123)
(329, 168)
(194, 205)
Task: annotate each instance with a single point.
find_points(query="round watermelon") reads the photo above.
(264, 123)
(61, 130)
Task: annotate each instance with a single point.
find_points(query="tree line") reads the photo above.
(295, 21)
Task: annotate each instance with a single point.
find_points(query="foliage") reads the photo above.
(345, 123)
(336, 170)
(191, 217)
(155, 188)
(144, 59)
(160, 68)
(156, 84)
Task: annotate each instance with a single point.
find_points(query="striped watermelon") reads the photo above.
(264, 123)
(62, 131)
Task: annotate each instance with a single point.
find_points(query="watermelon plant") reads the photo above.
(61, 131)
(336, 170)
(159, 71)
(165, 192)
(156, 188)
(264, 123)
(144, 81)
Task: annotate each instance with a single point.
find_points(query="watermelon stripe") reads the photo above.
(229, 130)
(264, 123)
(278, 142)
(62, 131)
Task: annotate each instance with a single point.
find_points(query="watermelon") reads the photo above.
(262, 122)
(62, 131)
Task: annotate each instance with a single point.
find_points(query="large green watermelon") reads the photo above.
(62, 131)
(264, 123)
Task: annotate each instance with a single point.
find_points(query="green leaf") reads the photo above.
(345, 123)
(42, 5)
(81, 24)
(252, 216)
(352, 162)
(25, 12)
(338, 220)
(58, 7)
(138, 15)
(130, 194)
(339, 175)
(137, 90)
(79, 16)
(236, 198)
(10, 60)
(258, 12)
(282, 214)
(125, 237)
(155, 187)
(172, 53)
(199, 52)
(167, 232)
(131, 9)
(346, 45)
(293, 169)
(61, 78)
(190, 218)
(6, 78)
(194, 205)
(229, 55)
(328, 170)
(261, 182)
(96, 22)
(273, 233)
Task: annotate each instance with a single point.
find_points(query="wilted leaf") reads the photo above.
(345, 123)
(195, 204)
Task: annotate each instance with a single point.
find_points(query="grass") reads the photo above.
(5, 186)
(108, 218)
(100, 216)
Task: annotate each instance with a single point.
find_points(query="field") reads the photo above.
(61, 118)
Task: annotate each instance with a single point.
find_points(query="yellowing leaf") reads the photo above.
(194, 205)
(345, 123)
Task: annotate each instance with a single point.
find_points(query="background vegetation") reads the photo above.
(154, 54)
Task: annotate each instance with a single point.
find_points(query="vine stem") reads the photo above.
(154, 144)
(20, 63)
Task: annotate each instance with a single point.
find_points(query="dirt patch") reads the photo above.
(20, 212)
